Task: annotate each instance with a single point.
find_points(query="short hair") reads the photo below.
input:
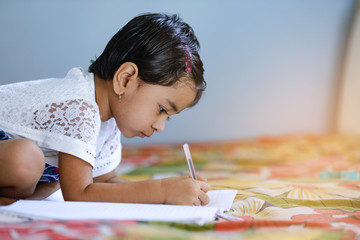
(161, 46)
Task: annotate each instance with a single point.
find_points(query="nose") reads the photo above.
(159, 124)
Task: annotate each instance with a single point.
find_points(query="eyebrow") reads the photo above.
(173, 106)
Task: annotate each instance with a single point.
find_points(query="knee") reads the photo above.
(22, 164)
(28, 160)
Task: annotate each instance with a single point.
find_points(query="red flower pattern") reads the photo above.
(332, 215)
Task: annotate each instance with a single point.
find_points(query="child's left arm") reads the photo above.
(109, 178)
(77, 184)
(112, 178)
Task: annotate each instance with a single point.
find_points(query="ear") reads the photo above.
(125, 76)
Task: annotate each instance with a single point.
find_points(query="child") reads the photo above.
(68, 130)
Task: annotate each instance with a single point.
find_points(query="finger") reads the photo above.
(200, 178)
(204, 198)
(197, 202)
(188, 175)
(204, 186)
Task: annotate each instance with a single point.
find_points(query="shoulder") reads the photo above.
(76, 84)
(58, 106)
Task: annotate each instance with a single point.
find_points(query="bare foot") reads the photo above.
(43, 190)
(6, 201)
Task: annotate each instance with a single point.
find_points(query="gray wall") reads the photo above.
(272, 66)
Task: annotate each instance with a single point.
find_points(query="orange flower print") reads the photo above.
(332, 215)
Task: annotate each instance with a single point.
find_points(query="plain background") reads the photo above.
(349, 101)
(272, 66)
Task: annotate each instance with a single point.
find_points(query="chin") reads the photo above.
(128, 135)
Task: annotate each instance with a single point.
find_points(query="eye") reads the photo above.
(163, 110)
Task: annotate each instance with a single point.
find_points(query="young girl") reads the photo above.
(68, 130)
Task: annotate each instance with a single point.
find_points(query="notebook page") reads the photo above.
(50, 210)
(60, 210)
(221, 199)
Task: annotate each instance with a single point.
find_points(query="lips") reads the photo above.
(142, 135)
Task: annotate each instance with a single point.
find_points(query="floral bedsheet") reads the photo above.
(289, 187)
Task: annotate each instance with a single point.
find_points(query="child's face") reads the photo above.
(145, 108)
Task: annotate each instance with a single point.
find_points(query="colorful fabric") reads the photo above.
(3, 135)
(50, 174)
(283, 192)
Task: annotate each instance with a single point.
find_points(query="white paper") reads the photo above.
(56, 196)
(221, 199)
(60, 210)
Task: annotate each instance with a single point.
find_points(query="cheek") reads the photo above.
(134, 118)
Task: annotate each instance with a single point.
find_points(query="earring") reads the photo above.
(120, 97)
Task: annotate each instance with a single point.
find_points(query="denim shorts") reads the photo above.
(3, 135)
(50, 174)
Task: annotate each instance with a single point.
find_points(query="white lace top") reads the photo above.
(61, 115)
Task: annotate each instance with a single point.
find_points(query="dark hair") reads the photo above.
(163, 47)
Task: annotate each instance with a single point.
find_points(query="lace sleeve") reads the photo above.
(60, 115)
(75, 119)
(71, 125)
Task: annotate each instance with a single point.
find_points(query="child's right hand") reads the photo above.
(185, 191)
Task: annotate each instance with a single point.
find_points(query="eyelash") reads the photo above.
(162, 110)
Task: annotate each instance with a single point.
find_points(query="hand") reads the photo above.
(198, 177)
(185, 191)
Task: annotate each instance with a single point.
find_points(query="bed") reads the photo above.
(288, 187)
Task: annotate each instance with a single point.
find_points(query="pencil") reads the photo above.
(189, 161)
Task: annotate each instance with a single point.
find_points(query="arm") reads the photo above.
(77, 184)
(109, 178)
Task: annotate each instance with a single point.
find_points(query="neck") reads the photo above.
(102, 98)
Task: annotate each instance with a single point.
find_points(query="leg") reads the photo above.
(21, 166)
(6, 201)
(43, 190)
